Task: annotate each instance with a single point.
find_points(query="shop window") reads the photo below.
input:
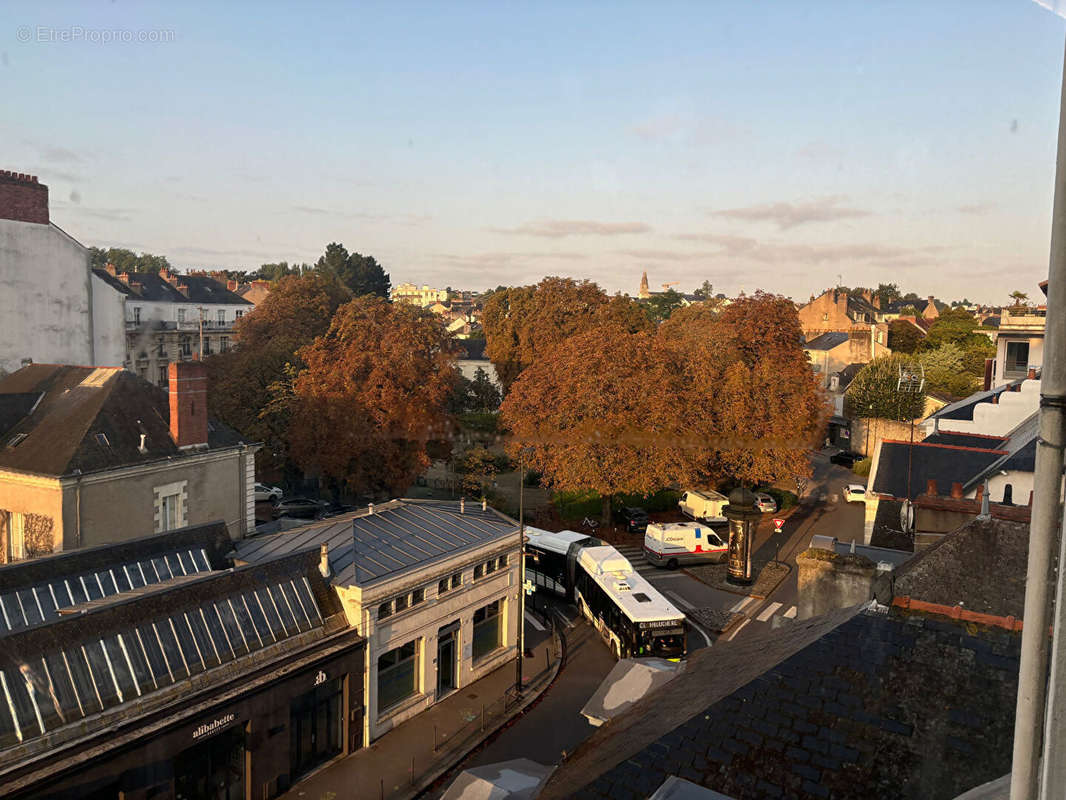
(316, 727)
(213, 768)
(487, 630)
(397, 675)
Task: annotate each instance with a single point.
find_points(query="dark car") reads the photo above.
(301, 508)
(846, 458)
(635, 519)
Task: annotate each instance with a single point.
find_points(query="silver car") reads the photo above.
(765, 503)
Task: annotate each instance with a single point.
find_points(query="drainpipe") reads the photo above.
(1030, 778)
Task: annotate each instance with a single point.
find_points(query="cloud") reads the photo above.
(61, 155)
(558, 228)
(398, 219)
(110, 214)
(976, 208)
(47, 174)
(791, 215)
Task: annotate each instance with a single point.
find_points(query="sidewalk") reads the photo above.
(411, 756)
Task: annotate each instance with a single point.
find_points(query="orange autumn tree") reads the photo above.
(597, 413)
(523, 322)
(242, 381)
(704, 399)
(372, 396)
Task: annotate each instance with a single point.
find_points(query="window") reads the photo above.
(401, 603)
(163, 377)
(418, 596)
(457, 580)
(442, 586)
(385, 610)
(479, 571)
(137, 315)
(223, 344)
(238, 314)
(825, 317)
(486, 630)
(397, 675)
(186, 345)
(162, 349)
(501, 562)
(221, 317)
(181, 315)
(490, 566)
(207, 346)
(1017, 358)
(171, 506)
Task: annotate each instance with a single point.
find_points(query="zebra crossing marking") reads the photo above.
(768, 612)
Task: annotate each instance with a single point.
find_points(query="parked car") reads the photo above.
(855, 493)
(673, 544)
(300, 507)
(705, 504)
(264, 492)
(765, 503)
(846, 458)
(635, 519)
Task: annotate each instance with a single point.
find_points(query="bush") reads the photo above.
(862, 468)
(532, 478)
(503, 463)
(784, 498)
(578, 505)
(481, 421)
(665, 500)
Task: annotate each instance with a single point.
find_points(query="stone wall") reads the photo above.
(828, 580)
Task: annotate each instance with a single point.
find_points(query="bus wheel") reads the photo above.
(614, 651)
(671, 564)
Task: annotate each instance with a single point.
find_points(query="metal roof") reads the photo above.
(369, 546)
(826, 341)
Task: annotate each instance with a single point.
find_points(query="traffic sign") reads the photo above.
(778, 525)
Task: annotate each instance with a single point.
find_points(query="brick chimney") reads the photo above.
(109, 268)
(930, 487)
(956, 490)
(231, 285)
(188, 403)
(22, 198)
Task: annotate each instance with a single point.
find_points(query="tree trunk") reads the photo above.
(608, 505)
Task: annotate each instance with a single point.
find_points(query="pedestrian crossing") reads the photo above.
(634, 554)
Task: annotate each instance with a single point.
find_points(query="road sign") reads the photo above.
(778, 525)
(529, 587)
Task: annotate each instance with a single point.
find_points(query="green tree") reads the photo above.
(953, 326)
(364, 275)
(277, 271)
(945, 371)
(903, 337)
(478, 469)
(875, 391)
(888, 292)
(706, 291)
(126, 260)
(660, 306)
(1019, 297)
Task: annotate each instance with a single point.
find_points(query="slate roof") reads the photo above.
(946, 464)
(368, 547)
(826, 341)
(149, 286)
(863, 705)
(88, 419)
(982, 566)
(966, 440)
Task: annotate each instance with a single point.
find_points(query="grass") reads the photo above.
(578, 505)
(480, 421)
(862, 468)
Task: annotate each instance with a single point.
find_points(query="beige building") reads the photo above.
(96, 455)
(433, 586)
(416, 296)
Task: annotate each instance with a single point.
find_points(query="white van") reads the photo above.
(673, 544)
(703, 504)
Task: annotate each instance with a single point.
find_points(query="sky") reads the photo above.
(783, 146)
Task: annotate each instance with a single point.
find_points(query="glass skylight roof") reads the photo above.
(40, 603)
(83, 677)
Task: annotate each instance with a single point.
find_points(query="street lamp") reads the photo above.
(521, 571)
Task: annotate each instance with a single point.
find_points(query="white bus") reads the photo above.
(630, 614)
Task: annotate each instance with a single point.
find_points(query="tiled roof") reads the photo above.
(366, 547)
(946, 464)
(89, 419)
(981, 566)
(149, 286)
(826, 341)
(849, 706)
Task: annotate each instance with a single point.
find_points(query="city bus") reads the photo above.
(633, 618)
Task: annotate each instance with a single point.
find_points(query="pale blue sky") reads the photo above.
(764, 145)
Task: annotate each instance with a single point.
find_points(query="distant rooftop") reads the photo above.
(826, 341)
(365, 547)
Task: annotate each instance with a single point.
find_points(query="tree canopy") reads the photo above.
(126, 260)
(661, 305)
(361, 274)
(875, 392)
(373, 395)
(903, 337)
(700, 400)
(523, 322)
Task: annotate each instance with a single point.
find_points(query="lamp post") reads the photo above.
(911, 381)
(742, 518)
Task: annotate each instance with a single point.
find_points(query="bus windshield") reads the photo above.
(668, 645)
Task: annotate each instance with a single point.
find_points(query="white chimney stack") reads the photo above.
(323, 560)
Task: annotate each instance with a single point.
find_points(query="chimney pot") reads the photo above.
(956, 490)
(323, 560)
(370, 508)
(187, 386)
(930, 487)
(979, 493)
(462, 505)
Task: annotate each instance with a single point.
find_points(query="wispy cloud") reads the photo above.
(976, 209)
(791, 215)
(61, 155)
(110, 214)
(47, 174)
(558, 228)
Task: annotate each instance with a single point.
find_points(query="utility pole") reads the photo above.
(521, 573)
(1037, 768)
(201, 333)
